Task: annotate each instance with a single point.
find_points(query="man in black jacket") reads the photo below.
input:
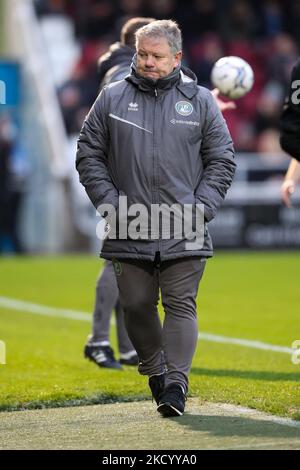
(113, 66)
(158, 141)
(290, 135)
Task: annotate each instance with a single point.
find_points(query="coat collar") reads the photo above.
(184, 79)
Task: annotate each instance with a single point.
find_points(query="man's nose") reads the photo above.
(149, 62)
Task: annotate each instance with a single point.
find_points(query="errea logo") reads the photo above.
(185, 108)
(133, 107)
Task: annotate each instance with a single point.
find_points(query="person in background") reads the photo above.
(113, 66)
(292, 177)
(290, 135)
(11, 188)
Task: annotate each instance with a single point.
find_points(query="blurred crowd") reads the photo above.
(11, 186)
(266, 33)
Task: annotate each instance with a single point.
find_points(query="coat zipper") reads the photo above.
(155, 163)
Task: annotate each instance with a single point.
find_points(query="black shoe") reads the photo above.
(103, 356)
(131, 361)
(157, 385)
(172, 401)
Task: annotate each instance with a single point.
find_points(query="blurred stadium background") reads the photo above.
(49, 50)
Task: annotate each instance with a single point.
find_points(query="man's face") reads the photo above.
(155, 58)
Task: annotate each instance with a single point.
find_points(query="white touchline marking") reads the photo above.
(258, 415)
(245, 342)
(38, 309)
(128, 122)
(44, 310)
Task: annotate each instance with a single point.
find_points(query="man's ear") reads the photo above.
(178, 57)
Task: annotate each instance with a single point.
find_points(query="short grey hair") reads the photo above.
(167, 29)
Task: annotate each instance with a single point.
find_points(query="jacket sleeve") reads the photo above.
(92, 156)
(290, 117)
(217, 155)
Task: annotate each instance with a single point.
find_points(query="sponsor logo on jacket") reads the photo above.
(189, 123)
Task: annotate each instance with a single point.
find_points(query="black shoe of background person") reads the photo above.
(172, 401)
(103, 356)
(157, 385)
(130, 361)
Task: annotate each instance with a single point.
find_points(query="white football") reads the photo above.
(233, 76)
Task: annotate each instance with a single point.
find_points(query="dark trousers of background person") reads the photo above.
(107, 300)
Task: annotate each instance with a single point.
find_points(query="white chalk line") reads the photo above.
(245, 342)
(37, 309)
(258, 415)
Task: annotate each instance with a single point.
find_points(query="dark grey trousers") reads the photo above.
(170, 346)
(107, 300)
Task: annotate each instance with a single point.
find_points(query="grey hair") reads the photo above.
(162, 29)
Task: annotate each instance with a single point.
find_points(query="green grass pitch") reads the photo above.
(252, 296)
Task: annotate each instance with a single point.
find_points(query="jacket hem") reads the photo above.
(164, 257)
